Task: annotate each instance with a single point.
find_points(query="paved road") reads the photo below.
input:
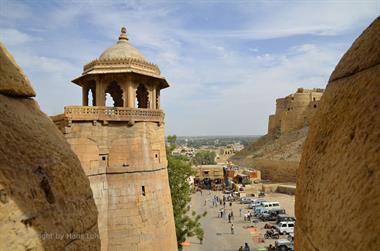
(218, 235)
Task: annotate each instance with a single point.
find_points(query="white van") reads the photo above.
(285, 227)
(271, 205)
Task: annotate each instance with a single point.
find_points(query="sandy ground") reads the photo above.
(218, 235)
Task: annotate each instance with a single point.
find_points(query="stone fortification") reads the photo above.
(126, 166)
(294, 111)
(338, 182)
(277, 154)
(45, 198)
(122, 149)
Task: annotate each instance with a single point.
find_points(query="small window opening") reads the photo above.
(314, 99)
(315, 106)
(104, 158)
(143, 190)
(156, 155)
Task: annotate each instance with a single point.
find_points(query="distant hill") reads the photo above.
(276, 155)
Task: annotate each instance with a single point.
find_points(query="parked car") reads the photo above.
(284, 217)
(258, 210)
(284, 245)
(272, 214)
(271, 205)
(262, 212)
(246, 200)
(285, 227)
(256, 203)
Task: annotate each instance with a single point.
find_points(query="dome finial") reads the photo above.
(123, 35)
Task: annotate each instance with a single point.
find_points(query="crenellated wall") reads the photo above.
(294, 111)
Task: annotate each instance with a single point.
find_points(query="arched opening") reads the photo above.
(142, 96)
(91, 94)
(114, 95)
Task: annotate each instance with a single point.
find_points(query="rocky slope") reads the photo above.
(338, 181)
(276, 155)
(45, 198)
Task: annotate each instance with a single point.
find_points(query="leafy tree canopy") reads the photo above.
(179, 170)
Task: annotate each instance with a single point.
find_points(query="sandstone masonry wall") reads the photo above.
(338, 182)
(127, 168)
(45, 198)
(294, 111)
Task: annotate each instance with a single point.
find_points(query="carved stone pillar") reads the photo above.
(85, 95)
(150, 97)
(154, 97)
(158, 105)
(100, 95)
(131, 94)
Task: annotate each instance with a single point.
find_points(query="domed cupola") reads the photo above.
(122, 72)
(122, 49)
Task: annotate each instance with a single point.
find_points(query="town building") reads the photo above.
(209, 176)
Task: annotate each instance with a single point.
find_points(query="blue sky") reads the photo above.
(226, 61)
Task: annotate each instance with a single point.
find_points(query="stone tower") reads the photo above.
(122, 148)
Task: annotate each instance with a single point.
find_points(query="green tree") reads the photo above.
(187, 224)
(172, 140)
(204, 158)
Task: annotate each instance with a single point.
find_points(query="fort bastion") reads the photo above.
(122, 148)
(295, 111)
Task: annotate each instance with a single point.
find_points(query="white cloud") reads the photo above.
(15, 37)
(244, 103)
(219, 84)
(283, 19)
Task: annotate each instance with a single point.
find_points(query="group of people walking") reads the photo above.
(228, 214)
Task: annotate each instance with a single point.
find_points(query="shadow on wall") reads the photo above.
(45, 198)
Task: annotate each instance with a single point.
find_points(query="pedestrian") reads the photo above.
(229, 218)
(270, 248)
(232, 229)
(246, 247)
(241, 248)
(240, 211)
(230, 204)
(232, 215)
